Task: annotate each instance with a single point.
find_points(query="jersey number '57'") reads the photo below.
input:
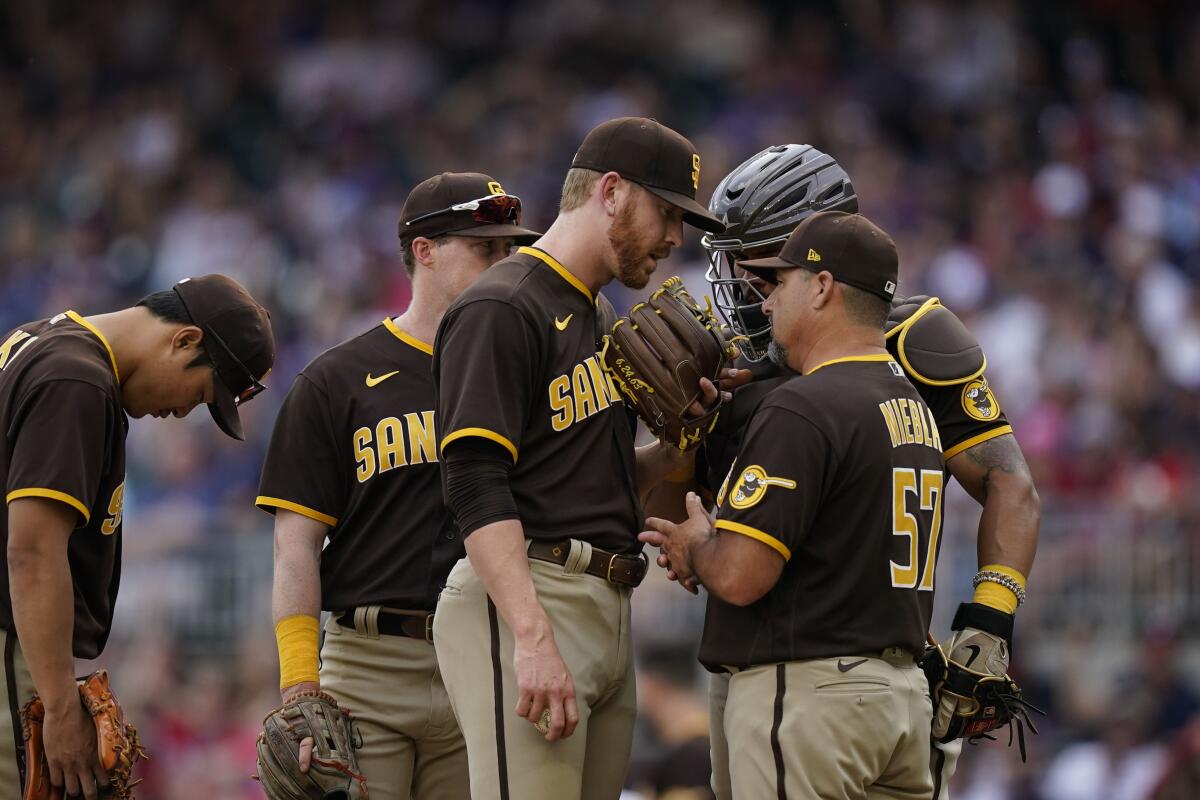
(921, 533)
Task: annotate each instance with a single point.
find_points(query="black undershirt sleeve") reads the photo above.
(475, 483)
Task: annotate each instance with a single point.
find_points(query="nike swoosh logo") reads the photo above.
(562, 326)
(843, 667)
(974, 648)
(373, 382)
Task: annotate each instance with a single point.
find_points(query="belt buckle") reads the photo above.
(612, 562)
(429, 628)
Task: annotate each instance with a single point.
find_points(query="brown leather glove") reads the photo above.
(117, 745)
(657, 356)
(333, 771)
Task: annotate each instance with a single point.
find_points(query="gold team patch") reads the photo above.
(979, 402)
(752, 486)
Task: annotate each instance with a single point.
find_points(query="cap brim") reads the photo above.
(693, 213)
(224, 410)
(515, 232)
(766, 268)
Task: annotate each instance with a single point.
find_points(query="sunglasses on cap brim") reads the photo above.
(255, 388)
(495, 209)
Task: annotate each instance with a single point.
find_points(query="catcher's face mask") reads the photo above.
(738, 295)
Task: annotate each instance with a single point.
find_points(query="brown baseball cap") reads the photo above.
(463, 204)
(849, 246)
(652, 155)
(238, 339)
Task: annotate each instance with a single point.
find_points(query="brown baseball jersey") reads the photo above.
(516, 362)
(965, 408)
(355, 447)
(60, 405)
(840, 473)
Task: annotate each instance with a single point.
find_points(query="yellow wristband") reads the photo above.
(296, 636)
(994, 595)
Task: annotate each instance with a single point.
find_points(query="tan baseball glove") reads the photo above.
(117, 744)
(657, 356)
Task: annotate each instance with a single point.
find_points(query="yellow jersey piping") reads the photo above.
(755, 533)
(967, 444)
(482, 433)
(95, 332)
(52, 494)
(871, 357)
(262, 501)
(409, 340)
(563, 272)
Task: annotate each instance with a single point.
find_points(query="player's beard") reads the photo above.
(624, 237)
(778, 354)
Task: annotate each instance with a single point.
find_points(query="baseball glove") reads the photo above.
(333, 771)
(657, 356)
(117, 744)
(970, 688)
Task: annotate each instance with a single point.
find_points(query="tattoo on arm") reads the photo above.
(1001, 454)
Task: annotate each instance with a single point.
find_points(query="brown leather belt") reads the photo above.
(413, 624)
(625, 570)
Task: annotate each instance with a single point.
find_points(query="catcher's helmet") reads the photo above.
(761, 202)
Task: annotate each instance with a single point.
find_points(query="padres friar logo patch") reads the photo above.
(979, 402)
(752, 486)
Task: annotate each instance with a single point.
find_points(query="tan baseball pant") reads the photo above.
(836, 734)
(411, 745)
(18, 690)
(943, 758)
(509, 759)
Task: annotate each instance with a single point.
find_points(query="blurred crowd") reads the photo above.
(1037, 163)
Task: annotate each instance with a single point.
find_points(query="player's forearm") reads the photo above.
(995, 474)
(43, 599)
(1008, 527)
(297, 584)
(498, 555)
(296, 599)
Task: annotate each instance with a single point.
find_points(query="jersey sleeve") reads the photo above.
(304, 470)
(775, 486)
(485, 367)
(966, 414)
(60, 441)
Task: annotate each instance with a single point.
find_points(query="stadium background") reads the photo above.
(1038, 164)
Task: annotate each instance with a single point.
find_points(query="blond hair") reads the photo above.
(577, 188)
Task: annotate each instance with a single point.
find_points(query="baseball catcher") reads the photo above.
(306, 750)
(117, 744)
(657, 356)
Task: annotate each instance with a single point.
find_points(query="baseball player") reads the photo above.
(540, 471)
(67, 387)
(354, 460)
(762, 200)
(822, 574)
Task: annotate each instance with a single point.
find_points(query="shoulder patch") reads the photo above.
(978, 401)
(752, 486)
(933, 345)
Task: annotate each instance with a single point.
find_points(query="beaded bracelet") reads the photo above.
(1007, 581)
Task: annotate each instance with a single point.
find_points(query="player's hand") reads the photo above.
(544, 684)
(692, 584)
(676, 541)
(306, 744)
(734, 379)
(708, 398)
(70, 738)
